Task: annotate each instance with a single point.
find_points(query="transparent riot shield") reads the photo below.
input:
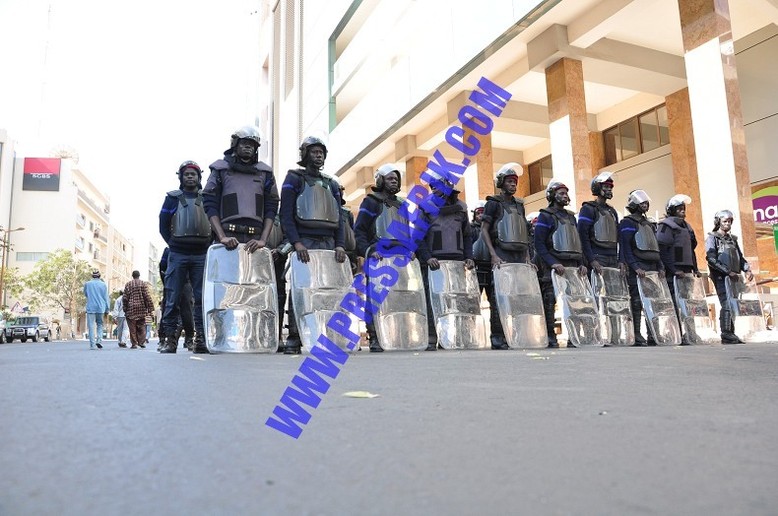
(612, 296)
(317, 289)
(240, 304)
(693, 315)
(520, 304)
(579, 312)
(401, 320)
(746, 308)
(659, 309)
(456, 306)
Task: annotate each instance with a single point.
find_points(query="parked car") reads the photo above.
(27, 327)
(2, 331)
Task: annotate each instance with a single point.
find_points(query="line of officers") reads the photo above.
(240, 204)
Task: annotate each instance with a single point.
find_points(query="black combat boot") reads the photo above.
(372, 340)
(199, 343)
(169, 343)
(189, 341)
(639, 340)
(728, 328)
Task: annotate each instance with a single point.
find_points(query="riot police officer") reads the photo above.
(677, 243)
(481, 256)
(640, 253)
(725, 259)
(310, 215)
(598, 226)
(376, 212)
(558, 246)
(241, 197)
(505, 232)
(449, 237)
(349, 240)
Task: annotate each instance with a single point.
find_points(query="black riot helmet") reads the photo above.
(601, 179)
(189, 164)
(310, 141)
(552, 187)
(247, 132)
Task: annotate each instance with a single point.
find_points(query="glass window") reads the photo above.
(629, 138)
(30, 257)
(612, 149)
(649, 131)
(664, 125)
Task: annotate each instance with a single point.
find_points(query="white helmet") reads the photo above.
(675, 202)
(508, 170)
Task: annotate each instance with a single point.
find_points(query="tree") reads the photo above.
(58, 282)
(13, 282)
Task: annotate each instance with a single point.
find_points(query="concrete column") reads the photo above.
(484, 164)
(570, 147)
(716, 117)
(685, 178)
(414, 168)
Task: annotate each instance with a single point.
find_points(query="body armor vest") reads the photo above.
(604, 231)
(565, 241)
(480, 251)
(317, 207)
(190, 224)
(390, 211)
(349, 239)
(728, 251)
(511, 228)
(444, 237)
(240, 197)
(674, 232)
(645, 246)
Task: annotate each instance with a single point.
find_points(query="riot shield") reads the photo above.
(520, 304)
(612, 296)
(579, 312)
(693, 315)
(659, 309)
(317, 289)
(746, 308)
(401, 320)
(456, 306)
(240, 311)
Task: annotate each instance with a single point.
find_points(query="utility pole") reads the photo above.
(6, 246)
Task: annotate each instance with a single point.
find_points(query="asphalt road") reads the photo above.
(595, 431)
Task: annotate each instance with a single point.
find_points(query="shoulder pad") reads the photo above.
(219, 164)
(263, 167)
(175, 193)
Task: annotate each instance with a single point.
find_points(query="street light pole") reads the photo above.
(6, 245)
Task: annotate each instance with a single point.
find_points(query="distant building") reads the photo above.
(60, 208)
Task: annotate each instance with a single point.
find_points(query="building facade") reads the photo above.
(674, 96)
(60, 208)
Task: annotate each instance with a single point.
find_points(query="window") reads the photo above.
(639, 134)
(81, 220)
(91, 226)
(31, 257)
(79, 243)
(540, 173)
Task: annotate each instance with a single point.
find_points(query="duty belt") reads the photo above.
(240, 228)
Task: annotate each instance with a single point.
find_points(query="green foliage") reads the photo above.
(13, 282)
(58, 282)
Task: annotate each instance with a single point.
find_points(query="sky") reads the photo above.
(135, 88)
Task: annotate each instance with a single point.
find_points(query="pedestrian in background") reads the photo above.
(97, 306)
(118, 314)
(137, 305)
